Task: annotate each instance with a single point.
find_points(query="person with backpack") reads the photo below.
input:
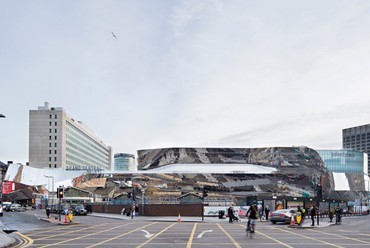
(302, 211)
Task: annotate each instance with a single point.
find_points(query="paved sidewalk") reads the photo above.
(6, 240)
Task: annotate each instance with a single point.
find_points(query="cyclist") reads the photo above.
(252, 215)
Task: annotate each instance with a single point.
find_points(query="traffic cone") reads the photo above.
(179, 218)
(292, 222)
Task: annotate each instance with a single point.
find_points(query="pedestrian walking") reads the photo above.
(48, 210)
(132, 210)
(267, 212)
(260, 212)
(302, 212)
(313, 210)
(137, 209)
(230, 213)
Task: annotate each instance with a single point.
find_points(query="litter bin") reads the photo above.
(221, 214)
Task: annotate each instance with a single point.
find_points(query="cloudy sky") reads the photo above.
(202, 73)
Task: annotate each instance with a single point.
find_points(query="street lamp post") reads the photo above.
(52, 189)
(142, 201)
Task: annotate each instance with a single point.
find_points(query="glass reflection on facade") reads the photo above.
(124, 162)
(346, 161)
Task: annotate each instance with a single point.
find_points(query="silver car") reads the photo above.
(15, 207)
(283, 215)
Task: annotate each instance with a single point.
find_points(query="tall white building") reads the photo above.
(56, 140)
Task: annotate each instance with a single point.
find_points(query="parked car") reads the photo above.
(78, 209)
(1, 210)
(6, 206)
(15, 207)
(283, 215)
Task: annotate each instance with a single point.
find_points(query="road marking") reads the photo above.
(147, 235)
(190, 241)
(83, 236)
(201, 235)
(124, 234)
(28, 241)
(277, 241)
(156, 235)
(56, 235)
(304, 236)
(343, 237)
(230, 237)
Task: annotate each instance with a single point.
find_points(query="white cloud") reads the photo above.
(187, 73)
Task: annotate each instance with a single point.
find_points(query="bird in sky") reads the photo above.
(114, 35)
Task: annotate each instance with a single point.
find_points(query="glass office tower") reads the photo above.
(357, 138)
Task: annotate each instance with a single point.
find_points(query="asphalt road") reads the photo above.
(106, 232)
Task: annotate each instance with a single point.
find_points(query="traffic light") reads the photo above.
(205, 193)
(60, 192)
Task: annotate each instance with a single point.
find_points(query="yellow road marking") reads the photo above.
(153, 237)
(277, 241)
(124, 234)
(191, 236)
(29, 240)
(230, 237)
(64, 233)
(304, 236)
(83, 236)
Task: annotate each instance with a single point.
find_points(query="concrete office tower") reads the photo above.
(357, 138)
(124, 162)
(56, 140)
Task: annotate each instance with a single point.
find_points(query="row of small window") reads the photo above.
(56, 123)
(55, 144)
(54, 137)
(55, 159)
(356, 142)
(51, 116)
(50, 130)
(55, 166)
(55, 152)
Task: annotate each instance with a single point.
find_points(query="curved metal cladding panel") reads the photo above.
(300, 166)
(282, 158)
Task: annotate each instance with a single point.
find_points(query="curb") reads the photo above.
(58, 222)
(6, 240)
